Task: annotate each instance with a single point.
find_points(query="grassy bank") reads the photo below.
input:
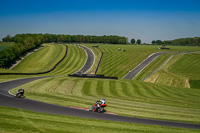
(119, 63)
(22, 121)
(152, 66)
(74, 60)
(124, 97)
(41, 60)
(181, 71)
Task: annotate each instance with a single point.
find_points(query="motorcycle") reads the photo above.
(20, 93)
(98, 107)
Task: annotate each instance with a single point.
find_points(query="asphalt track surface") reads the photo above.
(90, 60)
(9, 100)
(134, 72)
(141, 66)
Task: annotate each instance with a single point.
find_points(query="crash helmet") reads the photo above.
(103, 101)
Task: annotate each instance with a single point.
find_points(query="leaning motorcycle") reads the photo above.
(98, 107)
(20, 93)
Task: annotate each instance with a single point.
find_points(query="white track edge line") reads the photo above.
(138, 65)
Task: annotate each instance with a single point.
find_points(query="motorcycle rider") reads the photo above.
(21, 91)
(99, 102)
(99, 106)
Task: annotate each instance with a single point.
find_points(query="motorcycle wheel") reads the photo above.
(18, 95)
(100, 110)
(91, 108)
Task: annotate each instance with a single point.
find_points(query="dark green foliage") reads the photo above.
(155, 42)
(138, 41)
(195, 84)
(179, 42)
(187, 41)
(24, 43)
(7, 38)
(85, 39)
(133, 41)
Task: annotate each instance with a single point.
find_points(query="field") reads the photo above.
(124, 97)
(41, 60)
(118, 63)
(76, 57)
(181, 71)
(17, 120)
(173, 102)
(157, 63)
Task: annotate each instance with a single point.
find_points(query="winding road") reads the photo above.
(90, 60)
(134, 72)
(6, 99)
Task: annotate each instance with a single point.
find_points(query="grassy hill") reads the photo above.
(41, 60)
(181, 71)
(124, 97)
(45, 59)
(75, 59)
(18, 121)
(118, 63)
(166, 100)
(157, 63)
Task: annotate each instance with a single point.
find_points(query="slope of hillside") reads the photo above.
(117, 63)
(181, 71)
(124, 97)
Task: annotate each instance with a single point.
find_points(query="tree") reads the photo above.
(153, 42)
(133, 41)
(7, 38)
(138, 41)
(158, 42)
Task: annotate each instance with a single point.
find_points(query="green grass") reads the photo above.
(117, 63)
(188, 65)
(21, 121)
(41, 60)
(195, 84)
(152, 66)
(74, 60)
(179, 71)
(124, 97)
(97, 53)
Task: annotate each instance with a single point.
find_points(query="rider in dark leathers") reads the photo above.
(21, 91)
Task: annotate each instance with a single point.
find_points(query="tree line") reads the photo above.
(195, 41)
(27, 42)
(23, 44)
(111, 39)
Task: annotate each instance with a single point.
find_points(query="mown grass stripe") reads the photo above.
(99, 88)
(112, 88)
(93, 88)
(86, 88)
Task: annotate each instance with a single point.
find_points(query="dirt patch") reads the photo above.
(187, 83)
(153, 78)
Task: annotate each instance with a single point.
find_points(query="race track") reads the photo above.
(131, 74)
(9, 100)
(90, 60)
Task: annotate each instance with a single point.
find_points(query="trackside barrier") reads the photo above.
(39, 72)
(98, 63)
(91, 76)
